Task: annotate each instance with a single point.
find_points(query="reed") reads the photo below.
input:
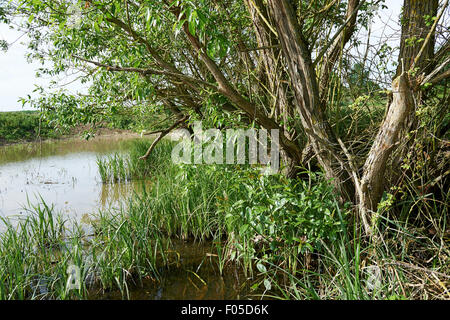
(291, 235)
(122, 167)
(37, 251)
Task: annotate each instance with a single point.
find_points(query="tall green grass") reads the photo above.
(24, 126)
(129, 166)
(290, 234)
(36, 252)
(34, 255)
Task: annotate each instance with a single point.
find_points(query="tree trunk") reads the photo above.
(372, 183)
(400, 117)
(306, 92)
(414, 28)
(270, 61)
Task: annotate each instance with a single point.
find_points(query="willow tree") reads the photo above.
(268, 63)
(415, 59)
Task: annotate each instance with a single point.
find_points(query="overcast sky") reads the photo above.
(17, 76)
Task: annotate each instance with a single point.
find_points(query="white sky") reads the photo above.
(17, 76)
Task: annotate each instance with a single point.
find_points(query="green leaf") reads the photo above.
(243, 228)
(261, 267)
(267, 284)
(192, 22)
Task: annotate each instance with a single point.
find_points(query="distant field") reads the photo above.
(16, 126)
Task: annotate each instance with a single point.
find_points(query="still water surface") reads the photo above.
(63, 172)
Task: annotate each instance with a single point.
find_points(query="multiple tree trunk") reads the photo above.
(306, 92)
(279, 34)
(369, 188)
(296, 87)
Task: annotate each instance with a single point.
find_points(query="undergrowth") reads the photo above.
(291, 235)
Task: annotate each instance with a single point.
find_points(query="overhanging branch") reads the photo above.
(162, 135)
(146, 71)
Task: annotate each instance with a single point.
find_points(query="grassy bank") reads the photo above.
(23, 126)
(290, 235)
(29, 126)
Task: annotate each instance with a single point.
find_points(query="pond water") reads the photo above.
(65, 174)
(196, 276)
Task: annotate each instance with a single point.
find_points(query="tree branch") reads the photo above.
(432, 78)
(146, 71)
(335, 46)
(340, 30)
(225, 88)
(162, 135)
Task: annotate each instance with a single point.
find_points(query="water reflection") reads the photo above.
(64, 173)
(114, 193)
(196, 276)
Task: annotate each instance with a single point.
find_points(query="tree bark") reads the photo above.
(335, 49)
(372, 183)
(272, 73)
(414, 27)
(414, 32)
(400, 117)
(306, 92)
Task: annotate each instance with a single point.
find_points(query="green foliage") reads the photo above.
(301, 213)
(359, 80)
(24, 126)
(35, 254)
(5, 13)
(37, 250)
(141, 64)
(129, 166)
(63, 110)
(285, 217)
(269, 214)
(289, 235)
(114, 95)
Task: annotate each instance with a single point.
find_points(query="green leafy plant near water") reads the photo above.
(281, 219)
(186, 202)
(290, 235)
(23, 126)
(129, 166)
